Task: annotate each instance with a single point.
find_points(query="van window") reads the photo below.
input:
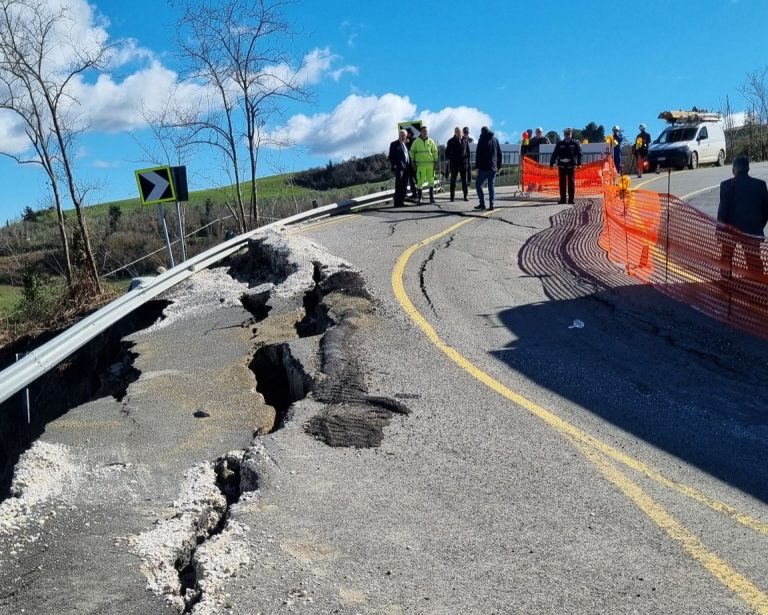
(703, 133)
(675, 135)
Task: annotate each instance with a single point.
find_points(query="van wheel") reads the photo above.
(694, 161)
(720, 159)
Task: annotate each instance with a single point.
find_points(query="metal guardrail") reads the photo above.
(39, 361)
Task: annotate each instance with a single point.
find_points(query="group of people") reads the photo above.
(639, 148)
(415, 163)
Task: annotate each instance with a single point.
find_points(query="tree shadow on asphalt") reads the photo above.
(651, 366)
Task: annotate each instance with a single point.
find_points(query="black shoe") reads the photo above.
(479, 207)
(571, 202)
(400, 205)
(431, 201)
(561, 202)
(490, 208)
(466, 198)
(451, 199)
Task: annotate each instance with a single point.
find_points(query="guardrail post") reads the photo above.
(27, 408)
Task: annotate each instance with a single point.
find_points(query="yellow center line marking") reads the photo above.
(733, 580)
(719, 568)
(695, 192)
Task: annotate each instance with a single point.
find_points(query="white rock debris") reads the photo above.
(206, 291)
(43, 475)
(198, 511)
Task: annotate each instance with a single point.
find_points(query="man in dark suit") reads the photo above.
(744, 207)
(400, 162)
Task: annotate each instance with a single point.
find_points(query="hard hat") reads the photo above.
(642, 126)
(617, 128)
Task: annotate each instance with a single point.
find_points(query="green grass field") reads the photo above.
(9, 298)
(268, 187)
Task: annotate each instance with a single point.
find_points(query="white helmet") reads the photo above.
(617, 128)
(642, 126)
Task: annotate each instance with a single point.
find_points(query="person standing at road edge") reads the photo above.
(424, 156)
(567, 155)
(640, 149)
(487, 163)
(743, 206)
(457, 153)
(400, 163)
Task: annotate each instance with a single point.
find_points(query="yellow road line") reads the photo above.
(719, 568)
(695, 192)
(545, 415)
(740, 585)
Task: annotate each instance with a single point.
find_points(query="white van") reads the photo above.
(688, 144)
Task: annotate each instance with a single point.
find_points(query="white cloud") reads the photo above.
(362, 125)
(112, 106)
(314, 67)
(106, 164)
(13, 139)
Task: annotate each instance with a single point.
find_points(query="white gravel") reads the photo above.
(44, 474)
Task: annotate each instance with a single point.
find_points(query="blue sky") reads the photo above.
(509, 64)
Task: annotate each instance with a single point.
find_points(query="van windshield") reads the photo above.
(674, 135)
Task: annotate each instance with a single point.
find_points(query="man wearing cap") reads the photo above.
(400, 162)
(640, 149)
(567, 155)
(743, 206)
(424, 156)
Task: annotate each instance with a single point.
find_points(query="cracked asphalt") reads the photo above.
(543, 468)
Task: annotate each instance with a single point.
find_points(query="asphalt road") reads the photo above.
(700, 187)
(576, 443)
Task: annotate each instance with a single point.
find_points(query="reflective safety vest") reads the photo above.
(424, 151)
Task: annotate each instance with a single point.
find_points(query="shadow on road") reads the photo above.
(649, 365)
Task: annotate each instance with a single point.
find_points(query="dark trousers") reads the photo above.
(751, 247)
(401, 185)
(462, 172)
(567, 174)
(466, 175)
(411, 178)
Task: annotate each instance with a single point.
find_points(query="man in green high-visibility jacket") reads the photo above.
(424, 156)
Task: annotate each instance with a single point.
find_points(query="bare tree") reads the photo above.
(235, 48)
(39, 60)
(755, 92)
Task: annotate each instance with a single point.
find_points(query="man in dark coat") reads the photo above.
(535, 143)
(567, 155)
(457, 153)
(744, 207)
(400, 162)
(487, 163)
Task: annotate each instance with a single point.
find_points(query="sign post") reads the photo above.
(156, 186)
(182, 194)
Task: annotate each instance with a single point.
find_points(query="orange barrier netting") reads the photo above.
(682, 252)
(589, 177)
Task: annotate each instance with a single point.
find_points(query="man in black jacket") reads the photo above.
(567, 155)
(487, 163)
(400, 162)
(743, 206)
(457, 153)
(535, 143)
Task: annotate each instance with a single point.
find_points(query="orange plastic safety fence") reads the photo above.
(589, 178)
(665, 242)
